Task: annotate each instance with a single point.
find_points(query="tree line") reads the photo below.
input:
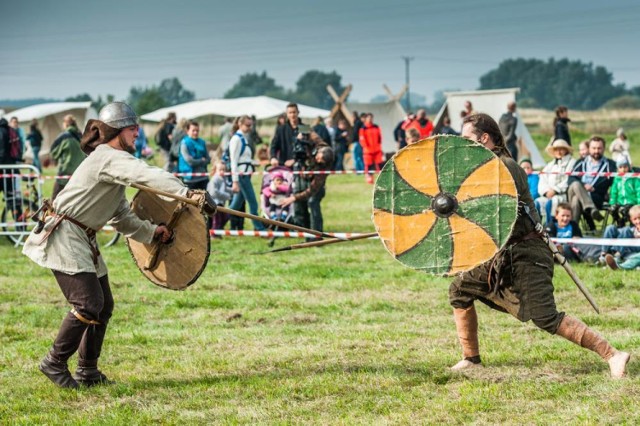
(543, 84)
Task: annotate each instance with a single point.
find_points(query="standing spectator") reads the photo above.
(221, 193)
(281, 150)
(356, 150)
(341, 143)
(140, 143)
(66, 152)
(225, 133)
(399, 133)
(561, 124)
(371, 140)
(422, 123)
(254, 138)
(309, 189)
(554, 181)
(588, 193)
(282, 119)
(468, 108)
(9, 154)
(508, 125)
(13, 122)
(177, 135)
(583, 149)
(35, 140)
(241, 167)
(447, 129)
(620, 146)
(194, 158)
(163, 139)
(625, 192)
(564, 227)
(321, 130)
(328, 123)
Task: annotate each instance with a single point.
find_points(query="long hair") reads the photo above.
(559, 110)
(483, 123)
(237, 121)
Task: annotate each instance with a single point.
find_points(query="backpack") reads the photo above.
(226, 155)
(15, 145)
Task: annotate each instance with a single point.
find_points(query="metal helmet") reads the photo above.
(118, 115)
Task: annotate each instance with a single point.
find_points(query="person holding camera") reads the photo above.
(311, 154)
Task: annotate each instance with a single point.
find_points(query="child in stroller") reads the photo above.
(277, 185)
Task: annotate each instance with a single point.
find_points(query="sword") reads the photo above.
(561, 259)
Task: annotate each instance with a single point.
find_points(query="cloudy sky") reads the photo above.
(65, 47)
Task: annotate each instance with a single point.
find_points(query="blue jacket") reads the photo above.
(193, 158)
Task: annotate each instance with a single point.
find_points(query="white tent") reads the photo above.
(50, 115)
(261, 106)
(494, 103)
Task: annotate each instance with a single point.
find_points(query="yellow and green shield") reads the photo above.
(444, 205)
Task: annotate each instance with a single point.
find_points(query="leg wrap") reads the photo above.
(467, 328)
(577, 332)
(83, 319)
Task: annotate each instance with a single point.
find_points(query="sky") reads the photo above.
(61, 48)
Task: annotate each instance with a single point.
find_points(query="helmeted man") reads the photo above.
(94, 196)
(518, 280)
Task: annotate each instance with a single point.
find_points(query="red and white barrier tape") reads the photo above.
(332, 172)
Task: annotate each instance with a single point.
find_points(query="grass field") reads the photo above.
(337, 335)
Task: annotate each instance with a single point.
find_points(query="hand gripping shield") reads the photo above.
(444, 205)
(178, 263)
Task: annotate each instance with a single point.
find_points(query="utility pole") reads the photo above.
(407, 59)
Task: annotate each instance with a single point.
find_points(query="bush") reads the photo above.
(623, 102)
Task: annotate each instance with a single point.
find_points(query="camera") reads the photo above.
(303, 147)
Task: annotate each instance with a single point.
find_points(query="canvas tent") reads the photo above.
(262, 107)
(386, 115)
(50, 115)
(494, 103)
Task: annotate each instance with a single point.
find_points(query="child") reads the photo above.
(532, 178)
(612, 231)
(565, 227)
(276, 192)
(220, 192)
(412, 136)
(625, 192)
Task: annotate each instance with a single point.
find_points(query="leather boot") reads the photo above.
(577, 332)
(87, 374)
(467, 328)
(58, 372)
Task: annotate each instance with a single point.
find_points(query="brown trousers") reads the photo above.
(91, 298)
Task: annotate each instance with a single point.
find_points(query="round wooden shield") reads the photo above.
(444, 205)
(180, 262)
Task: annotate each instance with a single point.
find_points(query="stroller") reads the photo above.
(269, 199)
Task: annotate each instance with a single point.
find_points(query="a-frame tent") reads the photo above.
(386, 115)
(494, 103)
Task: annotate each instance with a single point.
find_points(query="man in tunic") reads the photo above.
(518, 280)
(94, 196)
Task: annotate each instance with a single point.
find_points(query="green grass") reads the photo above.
(337, 335)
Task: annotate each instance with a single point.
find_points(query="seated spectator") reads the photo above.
(625, 193)
(583, 149)
(564, 227)
(532, 178)
(587, 193)
(632, 262)
(622, 252)
(554, 182)
(412, 136)
(220, 191)
(447, 129)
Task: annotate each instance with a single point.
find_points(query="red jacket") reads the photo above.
(370, 138)
(424, 131)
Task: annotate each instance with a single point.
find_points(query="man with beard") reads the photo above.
(587, 193)
(94, 196)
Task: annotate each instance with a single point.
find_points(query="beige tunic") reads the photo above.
(95, 196)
